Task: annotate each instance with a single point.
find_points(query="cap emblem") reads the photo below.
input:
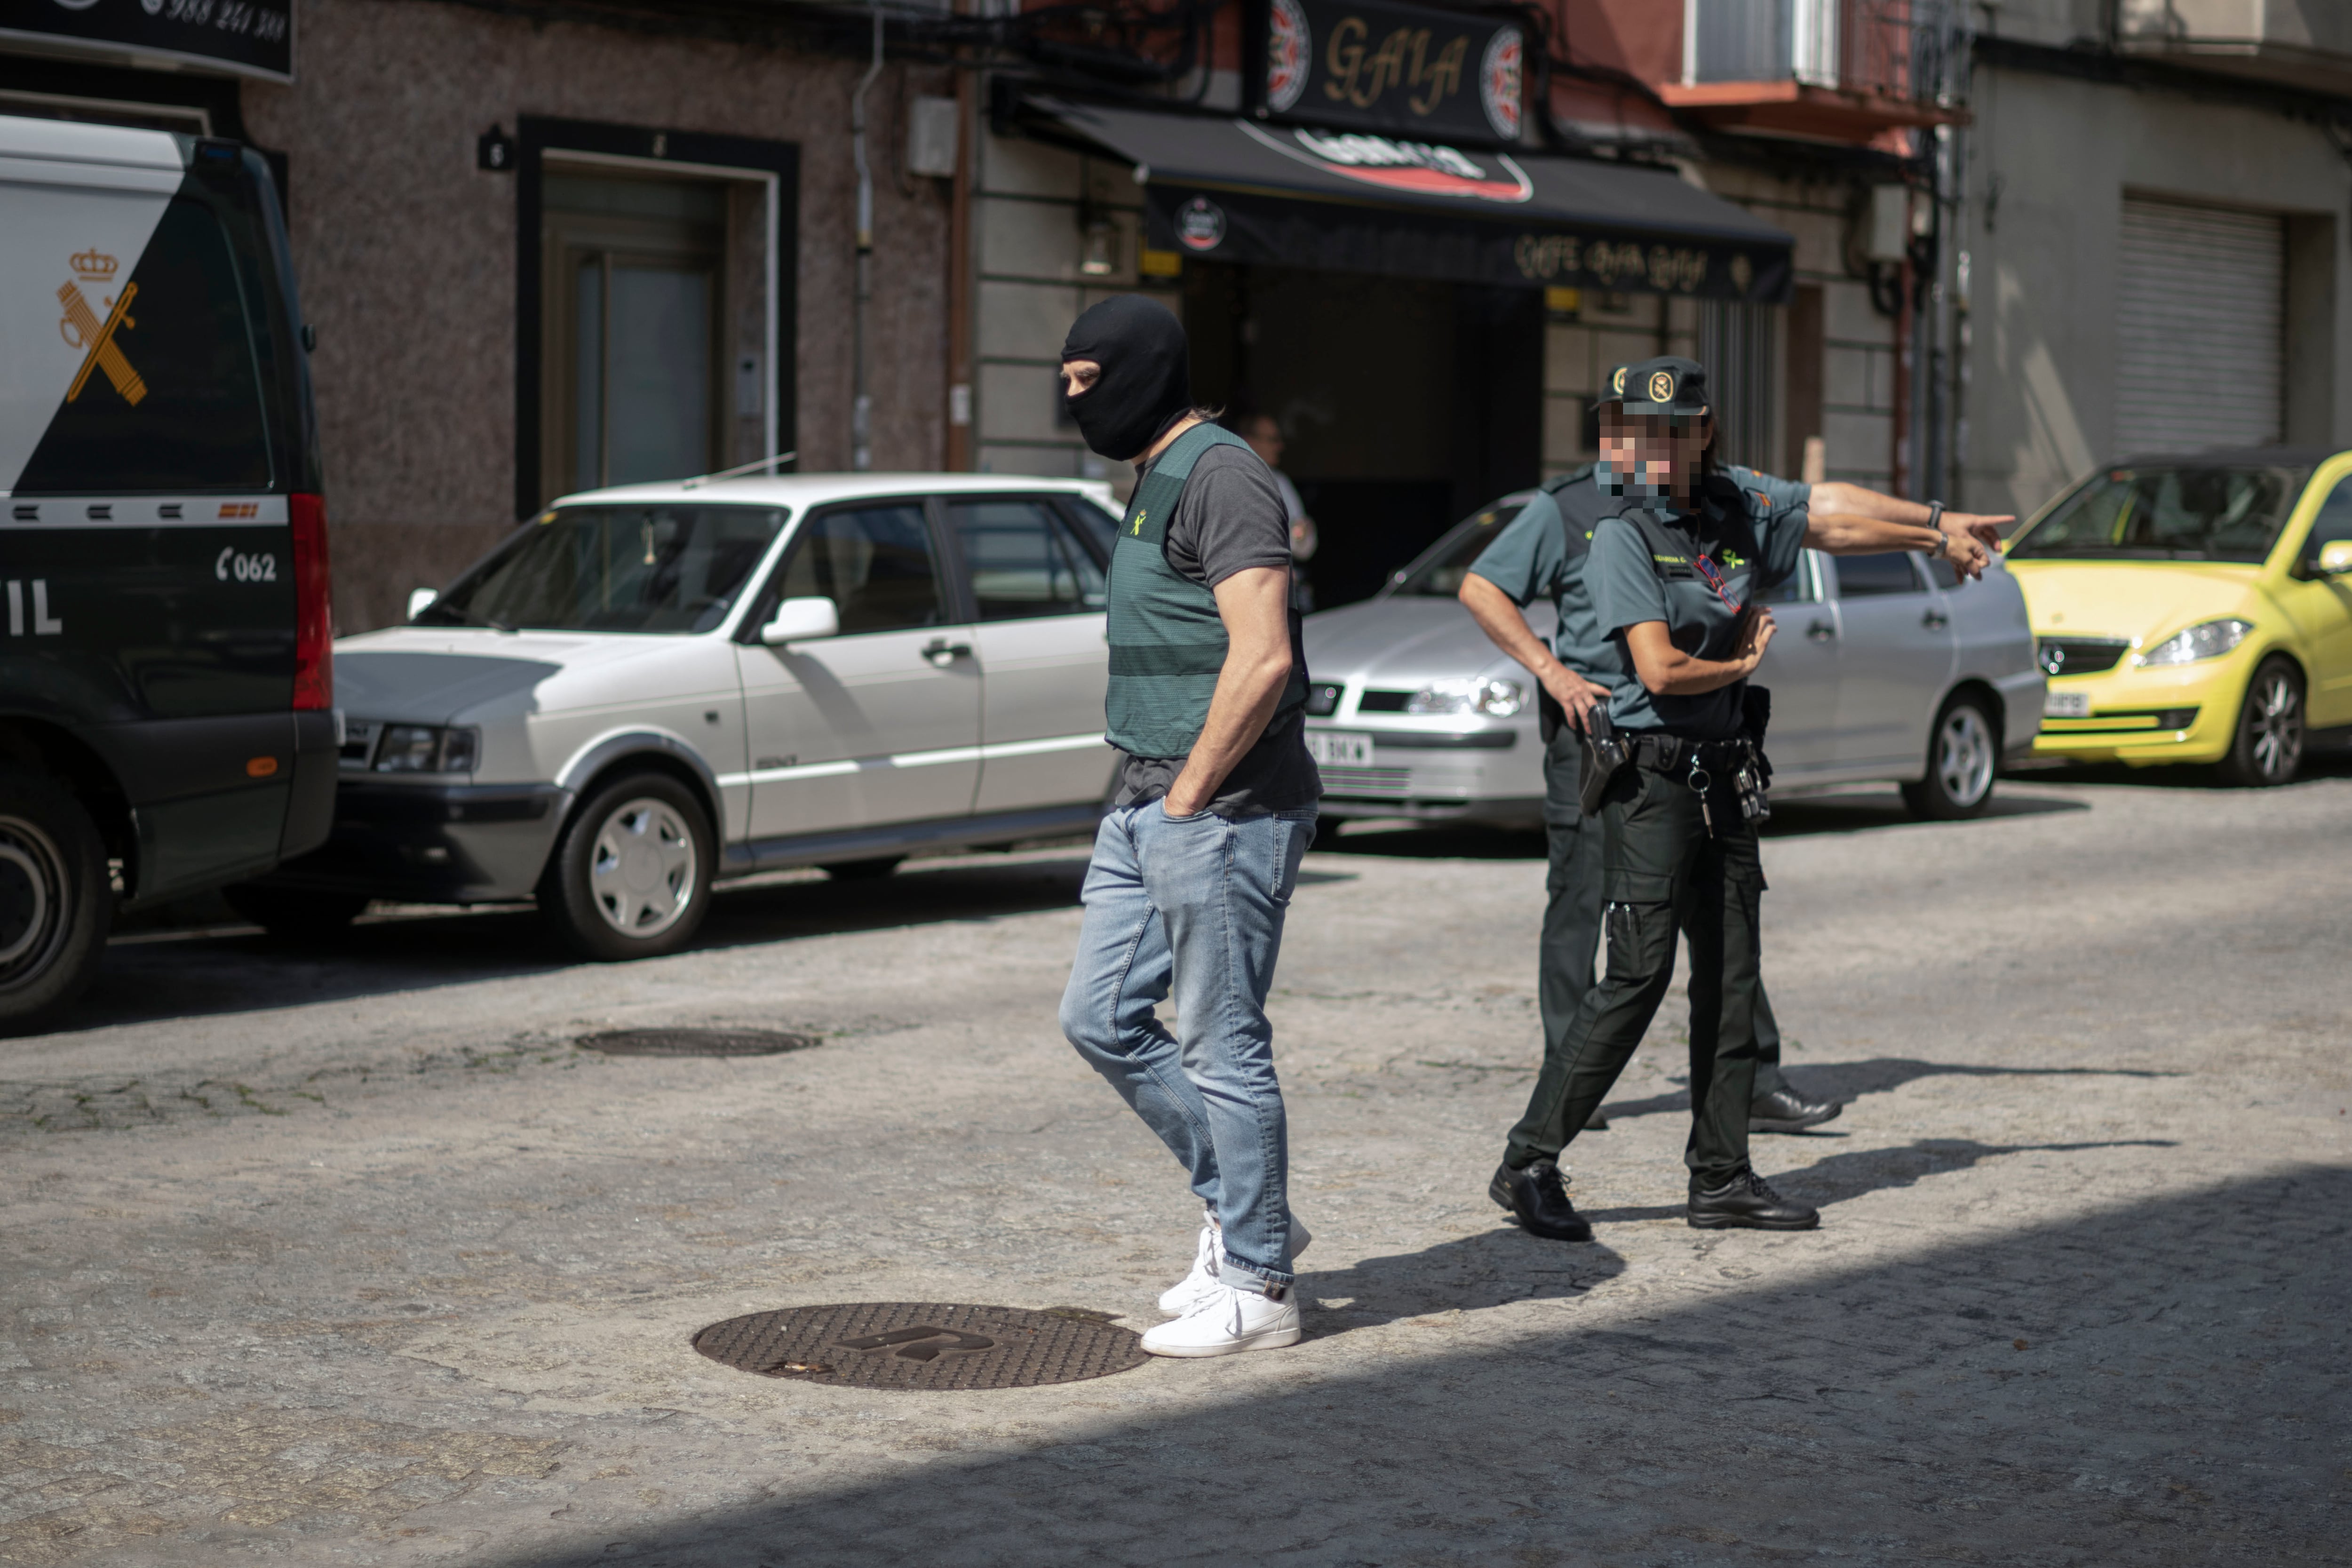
(1617, 383)
(1662, 386)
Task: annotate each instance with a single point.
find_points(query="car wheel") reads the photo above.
(863, 870)
(1963, 756)
(55, 904)
(2269, 747)
(296, 914)
(630, 876)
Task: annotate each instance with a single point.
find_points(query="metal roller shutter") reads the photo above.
(2201, 300)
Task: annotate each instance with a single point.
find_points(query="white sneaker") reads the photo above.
(1227, 1321)
(1203, 1279)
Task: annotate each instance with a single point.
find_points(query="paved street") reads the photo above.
(352, 1256)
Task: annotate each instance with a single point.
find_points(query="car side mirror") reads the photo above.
(421, 600)
(2335, 558)
(801, 620)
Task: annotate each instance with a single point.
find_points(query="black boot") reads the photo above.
(1537, 1197)
(1785, 1110)
(1747, 1203)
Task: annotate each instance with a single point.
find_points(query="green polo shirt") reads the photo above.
(1752, 543)
(1531, 560)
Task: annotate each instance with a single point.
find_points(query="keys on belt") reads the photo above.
(1711, 768)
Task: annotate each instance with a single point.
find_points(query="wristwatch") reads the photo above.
(1943, 540)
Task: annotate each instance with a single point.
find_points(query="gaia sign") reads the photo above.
(1431, 75)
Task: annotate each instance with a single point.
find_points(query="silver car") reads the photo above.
(1886, 666)
(649, 689)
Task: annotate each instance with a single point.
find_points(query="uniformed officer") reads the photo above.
(1671, 577)
(1543, 550)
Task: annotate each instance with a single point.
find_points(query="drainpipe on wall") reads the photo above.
(861, 406)
(959, 281)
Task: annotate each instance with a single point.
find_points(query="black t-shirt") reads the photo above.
(1229, 518)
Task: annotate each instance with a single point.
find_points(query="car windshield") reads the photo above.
(642, 568)
(1438, 573)
(2184, 514)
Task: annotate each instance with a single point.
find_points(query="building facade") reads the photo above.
(543, 253)
(2153, 251)
(1955, 250)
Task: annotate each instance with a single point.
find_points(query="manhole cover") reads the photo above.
(921, 1345)
(697, 1042)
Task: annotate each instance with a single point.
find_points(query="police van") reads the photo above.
(166, 691)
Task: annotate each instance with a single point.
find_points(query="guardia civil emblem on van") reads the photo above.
(81, 327)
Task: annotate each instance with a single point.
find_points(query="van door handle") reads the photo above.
(1935, 620)
(1819, 631)
(942, 652)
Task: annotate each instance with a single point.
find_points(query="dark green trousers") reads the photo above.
(1662, 876)
(1571, 924)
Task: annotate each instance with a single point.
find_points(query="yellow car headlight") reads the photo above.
(2210, 640)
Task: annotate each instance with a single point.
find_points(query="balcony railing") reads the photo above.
(1883, 48)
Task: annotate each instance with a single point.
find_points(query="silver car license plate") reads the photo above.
(1339, 750)
(2066, 705)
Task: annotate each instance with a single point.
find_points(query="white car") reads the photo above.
(649, 689)
(1886, 666)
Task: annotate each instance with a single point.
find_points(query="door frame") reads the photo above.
(774, 165)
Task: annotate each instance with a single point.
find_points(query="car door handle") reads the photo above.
(942, 652)
(1935, 620)
(1819, 631)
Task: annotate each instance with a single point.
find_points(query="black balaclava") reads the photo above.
(1147, 379)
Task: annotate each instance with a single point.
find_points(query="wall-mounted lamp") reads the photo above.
(1099, 256)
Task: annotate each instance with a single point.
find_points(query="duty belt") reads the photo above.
(1673, 753)
(1728, 772)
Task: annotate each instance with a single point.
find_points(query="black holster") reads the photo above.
(1604, 754)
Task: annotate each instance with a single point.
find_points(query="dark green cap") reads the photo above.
(1668, 386)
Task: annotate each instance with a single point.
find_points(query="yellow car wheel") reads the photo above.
(2269, 745)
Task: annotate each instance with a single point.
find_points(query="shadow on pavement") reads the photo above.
(2144, 1388)
(1849, 1081)
(196, 972)
(1797, 816)
(1841, 1178)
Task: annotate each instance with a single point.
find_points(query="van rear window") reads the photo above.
(187, 413)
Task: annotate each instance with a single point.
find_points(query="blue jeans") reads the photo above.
(1194, 908)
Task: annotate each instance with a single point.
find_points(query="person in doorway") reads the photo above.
(1543, 550)
(1672, 576)
(1264, 434)
(1195, 865)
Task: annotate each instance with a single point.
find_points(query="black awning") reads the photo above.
(1235, 190)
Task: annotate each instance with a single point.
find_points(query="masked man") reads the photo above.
(1195, 865)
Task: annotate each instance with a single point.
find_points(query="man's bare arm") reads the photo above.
(1498, 616)
(1255, 605)
(1847, 534)
(1860, 501)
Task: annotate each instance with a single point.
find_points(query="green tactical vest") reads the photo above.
(1167, 641)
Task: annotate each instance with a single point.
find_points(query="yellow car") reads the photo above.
(2195, 609)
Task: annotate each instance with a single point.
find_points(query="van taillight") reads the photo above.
(314, 654)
